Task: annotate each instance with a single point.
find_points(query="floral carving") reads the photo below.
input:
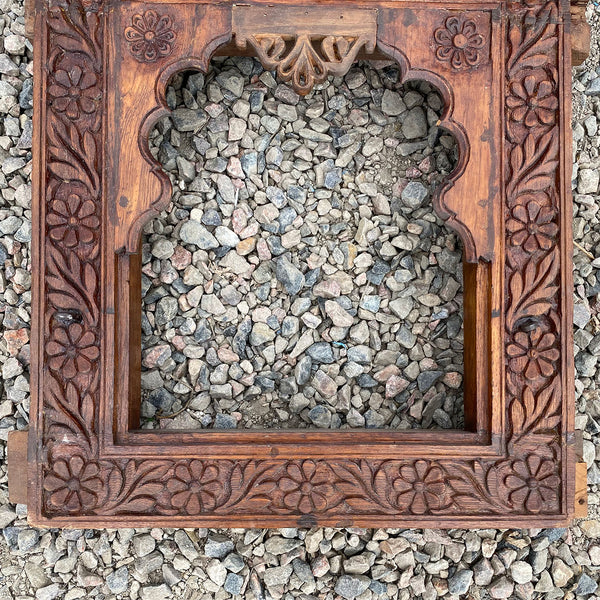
(421, 487)
(305, 487)
(150, 36)
(73, 484)
(72, 218)
(193, 487)
(72, 350)
(74, 91)
(533, 484)
(533, 353)
(532, 100)
(459, 43)
(532, 226)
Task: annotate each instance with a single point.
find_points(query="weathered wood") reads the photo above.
(17, 466)
(581, 33)
(503, 70)
(581, 482)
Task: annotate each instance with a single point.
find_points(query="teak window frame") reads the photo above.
(90, 465)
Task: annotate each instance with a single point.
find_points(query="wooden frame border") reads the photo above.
(87, 466)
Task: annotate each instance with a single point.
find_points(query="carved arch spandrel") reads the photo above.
(140, 188)
(467, 199)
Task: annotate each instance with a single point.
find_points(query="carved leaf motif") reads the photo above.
(538, 411)
(533, 292)
(532, 38)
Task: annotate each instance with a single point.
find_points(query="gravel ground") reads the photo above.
(338, 228)
(265, 303)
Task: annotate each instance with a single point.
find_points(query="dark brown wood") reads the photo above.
(17, 466)
(101, 71)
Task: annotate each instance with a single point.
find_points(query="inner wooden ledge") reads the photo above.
(476, 386)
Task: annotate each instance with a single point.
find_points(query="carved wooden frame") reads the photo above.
(101, 69)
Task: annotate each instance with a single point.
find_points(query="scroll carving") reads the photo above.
(304, 50)
(77, 481)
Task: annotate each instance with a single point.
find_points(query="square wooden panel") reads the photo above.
(101, 71)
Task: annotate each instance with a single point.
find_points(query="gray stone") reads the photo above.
(27, 539)
(193, 232)
(166, 309)
(218, 546)
(185, 119)
(302, 370)
(320, 416)
(428, 378)
(117, 581)
(460, 582)
(277, 575)
(278, 545)
(321, 352)
(155, 592)
(291, 278)
(415, 124)
(48, 592)
(360, 354)
(378, 272)
(351, 586)
(587, 181)
(261, 334)
(586, 585)
(226, 237)
(392, 103)
(233, 584)
(414, 194)
(521, 571)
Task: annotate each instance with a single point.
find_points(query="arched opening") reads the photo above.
(300, 277)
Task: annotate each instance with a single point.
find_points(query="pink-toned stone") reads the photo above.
(327, 289)
(425, 166)
(250, 230)
(179, 343)
(263, 250)
(320, 566)
(181, 258)
(156, 356)
(326, 386)
(385, 373)
(453, 380)
(395, 385)
(239, 220)
(15, 340)
(234, 168)
(227, 356)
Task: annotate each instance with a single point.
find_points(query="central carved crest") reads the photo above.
(302, 45)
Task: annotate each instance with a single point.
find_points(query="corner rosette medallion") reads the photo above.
(150, 36)
(459, 43)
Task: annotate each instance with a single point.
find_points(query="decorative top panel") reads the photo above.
(305, 45)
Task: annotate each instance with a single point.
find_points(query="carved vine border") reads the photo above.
(77, 481)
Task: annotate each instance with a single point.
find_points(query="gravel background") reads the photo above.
(209, 387)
